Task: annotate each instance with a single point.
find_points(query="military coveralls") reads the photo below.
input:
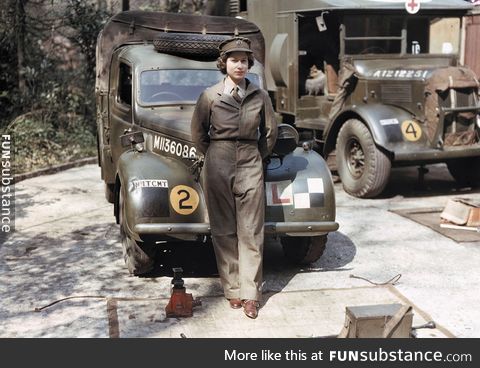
(235, 137)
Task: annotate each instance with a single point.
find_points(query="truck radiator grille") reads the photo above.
(396, 93)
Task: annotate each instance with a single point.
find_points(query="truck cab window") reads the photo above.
(375, 34)
(418, 35)
(125, 84)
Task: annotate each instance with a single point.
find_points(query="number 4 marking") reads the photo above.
(411, 130)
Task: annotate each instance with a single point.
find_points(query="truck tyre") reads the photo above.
(110, 192)
(190, 45)
(139, 256)
(362, 167)
(303, 249)
(465, 171)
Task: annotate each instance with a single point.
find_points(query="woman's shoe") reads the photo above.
(250, 308)
(235, 303)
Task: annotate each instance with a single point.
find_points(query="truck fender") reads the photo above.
(307, 174)
(383, 121)
(146, 182)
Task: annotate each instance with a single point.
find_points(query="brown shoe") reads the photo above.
(235, 303)
(250, 308)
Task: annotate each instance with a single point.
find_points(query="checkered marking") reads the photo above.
(308, 193)
(302, 193)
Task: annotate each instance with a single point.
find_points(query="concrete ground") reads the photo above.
(66, 245)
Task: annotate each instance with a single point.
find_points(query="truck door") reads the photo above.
(120, 103)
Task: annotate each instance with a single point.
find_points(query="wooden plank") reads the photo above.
(430, 217)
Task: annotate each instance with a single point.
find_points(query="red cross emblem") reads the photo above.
(412, 6)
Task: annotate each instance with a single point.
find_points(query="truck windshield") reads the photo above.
(377, 34)
(167, 86)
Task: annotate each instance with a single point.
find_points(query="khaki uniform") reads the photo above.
(235, 138)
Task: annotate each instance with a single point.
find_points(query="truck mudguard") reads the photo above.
(158, 189)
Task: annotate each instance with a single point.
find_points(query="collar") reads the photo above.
(217, 89)
(230, 85)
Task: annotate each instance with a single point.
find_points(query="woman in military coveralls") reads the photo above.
(233, 125)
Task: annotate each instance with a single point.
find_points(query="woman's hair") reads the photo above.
(222, 61)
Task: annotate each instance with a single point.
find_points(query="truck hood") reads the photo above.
(169, 120)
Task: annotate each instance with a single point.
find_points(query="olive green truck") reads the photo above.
(373, 86)
(151, 68)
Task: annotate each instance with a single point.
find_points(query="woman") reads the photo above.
(234, 126)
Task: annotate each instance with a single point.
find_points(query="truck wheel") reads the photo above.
(110, 192)
(139, 256)
(362, 167)
(465, 171)
(189, 45)
(303, 249)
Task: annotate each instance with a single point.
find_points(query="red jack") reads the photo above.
(181, 304)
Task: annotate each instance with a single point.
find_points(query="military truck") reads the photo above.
(391, 89)
(151, 68)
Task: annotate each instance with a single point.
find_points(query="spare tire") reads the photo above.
(190, 45)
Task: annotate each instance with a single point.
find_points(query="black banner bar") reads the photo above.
(252, 352)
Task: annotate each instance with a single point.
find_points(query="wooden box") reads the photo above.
(377, 321)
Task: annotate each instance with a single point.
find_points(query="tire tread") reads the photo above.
(191, 45)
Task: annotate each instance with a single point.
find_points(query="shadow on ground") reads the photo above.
(196, 259)
(405, 181)
(279, 271)
(41, 266)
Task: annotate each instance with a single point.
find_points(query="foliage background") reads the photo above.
(47, 73)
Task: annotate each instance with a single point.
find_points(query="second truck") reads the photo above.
(372, 86)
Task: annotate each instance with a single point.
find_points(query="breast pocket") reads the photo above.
(224, 116)
(252, 115)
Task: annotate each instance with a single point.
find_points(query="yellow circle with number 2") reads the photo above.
(184, 199)
(411, 130)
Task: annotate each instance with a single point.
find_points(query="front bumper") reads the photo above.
(436, 155)
(292, 228)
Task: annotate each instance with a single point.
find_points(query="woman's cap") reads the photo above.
(235, 44)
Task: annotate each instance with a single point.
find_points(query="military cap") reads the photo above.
(235, 44)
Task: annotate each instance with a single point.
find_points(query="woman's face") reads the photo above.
(237, 66)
